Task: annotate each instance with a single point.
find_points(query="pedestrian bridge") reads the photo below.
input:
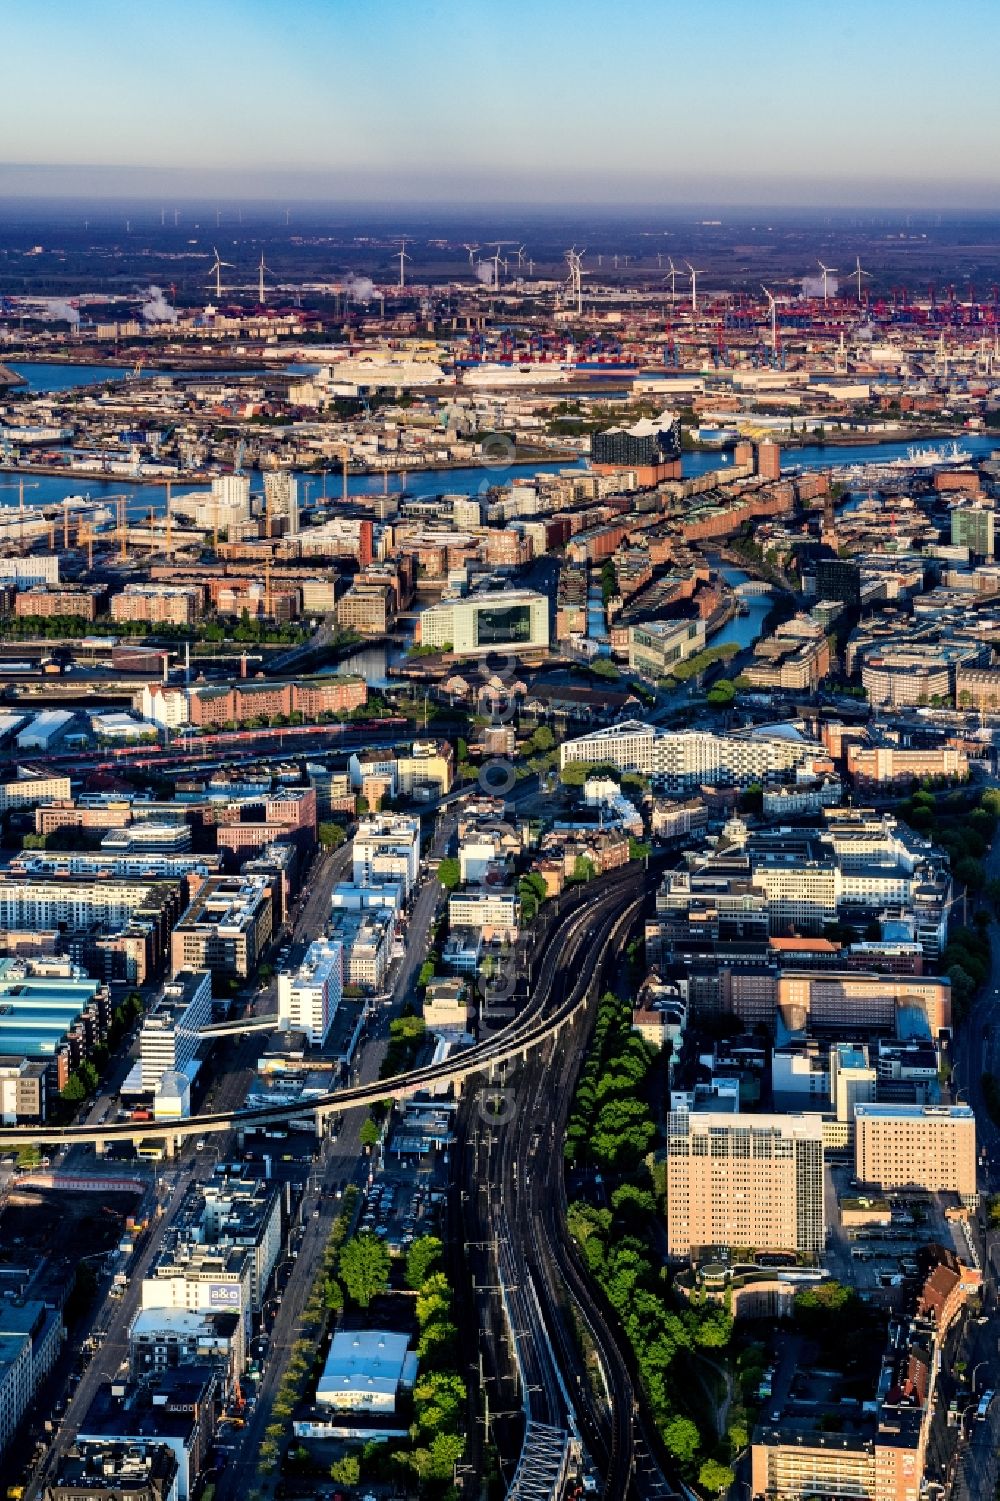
(752, 587)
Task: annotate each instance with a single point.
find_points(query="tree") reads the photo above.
(433, 1299)
(346, 1471)
(715, 1477)
(364, 1268)
(421, 1260)
(449, 873)
(722, 694)
(682, 1438)
(331, 835)
(575, 773)
(438, 1399)
(74, 1091)
(439, 1460)
(370, 1134)
(584, 869)
(542, 739)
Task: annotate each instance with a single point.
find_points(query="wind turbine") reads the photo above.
(496, 259)
(859, 273)
(520, 258)
(774, 318)
(216, 271)
(260, 279)
(472, 255)
(827, 271)
(403, 258)
(574, 260)
(694, 285)
(673, 273)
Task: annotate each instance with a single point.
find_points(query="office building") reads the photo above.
(504, 623)
(369, 609)
(838, 579)
(308, 999)
(931, 1147)
(768, 460)
(366, 937)
(657, 646)
(854, 1001)
(30, 1336)
(427, 771)
(170, 1033)
(853, 1080)
(226, 928)
(491, 911)
(744, 1181)
(972, 526)
(202, 1279)
(387, 849)
(106, 1470)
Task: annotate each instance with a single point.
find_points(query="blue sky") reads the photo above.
(881, 102)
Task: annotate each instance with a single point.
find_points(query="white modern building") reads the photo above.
(490, 911)
(685, 759)
(387, 848)
(507, 621)
(203, 1279)
(170, 1032)
(308, 999)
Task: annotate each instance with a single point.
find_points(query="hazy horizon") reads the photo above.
(719, 104)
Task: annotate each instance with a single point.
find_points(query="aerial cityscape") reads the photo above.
(499, 753)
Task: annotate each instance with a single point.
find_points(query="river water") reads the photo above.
(467, 481)
(426, 482)
(54, 376)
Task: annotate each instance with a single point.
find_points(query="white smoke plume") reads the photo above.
(484, 271)
(359, 288)
(58, 309)
(156, 308)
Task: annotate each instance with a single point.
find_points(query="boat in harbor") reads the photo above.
(930, 457)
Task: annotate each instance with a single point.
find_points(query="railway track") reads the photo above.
(515, 1225)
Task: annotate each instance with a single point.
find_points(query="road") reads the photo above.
(341, 1162)
(227, 1093)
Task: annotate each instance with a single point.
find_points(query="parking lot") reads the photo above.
(875, 1258)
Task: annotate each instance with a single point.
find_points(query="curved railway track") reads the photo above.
(529, 1028)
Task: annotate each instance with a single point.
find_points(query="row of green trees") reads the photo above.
(324, 1300)
(612, 1127)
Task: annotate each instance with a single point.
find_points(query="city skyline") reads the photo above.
(558, 105)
